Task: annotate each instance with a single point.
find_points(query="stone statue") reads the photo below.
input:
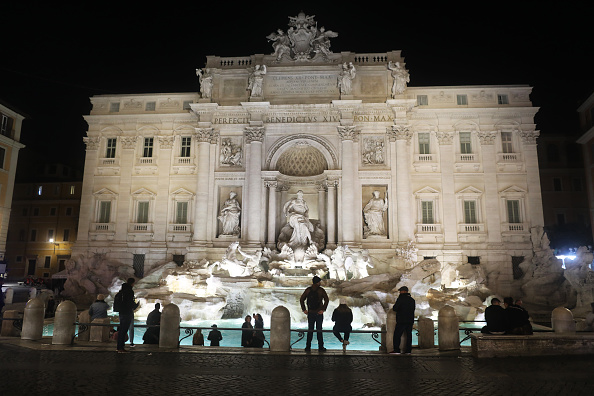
(205, 80)
(401, 78)
(230, 153)
(321, 43)
(251, 261)
(345, 78)
(374, 151)
(297, 213)
(374, 215)
(338, 258)
(281, 45)
(361, 261)
(229, 216)
(256, 81)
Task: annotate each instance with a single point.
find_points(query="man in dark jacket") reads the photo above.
(151, 335)
(317, 303)
(518, 320)
(405, 318)
(496, 318)
(126, 314)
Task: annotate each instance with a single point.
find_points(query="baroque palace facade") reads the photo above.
(454, 168)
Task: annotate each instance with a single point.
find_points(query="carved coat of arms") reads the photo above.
(303, 41)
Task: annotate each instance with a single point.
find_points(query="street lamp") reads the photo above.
(51, 240)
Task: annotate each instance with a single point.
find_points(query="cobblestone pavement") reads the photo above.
(149, 371)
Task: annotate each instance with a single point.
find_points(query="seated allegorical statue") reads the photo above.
(229, 216)
(374, 215)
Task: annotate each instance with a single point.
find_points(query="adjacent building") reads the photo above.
(455, 167)
(10, 134)
(586, 115)
(44, 221)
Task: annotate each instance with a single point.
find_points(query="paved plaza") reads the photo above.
(35, 368)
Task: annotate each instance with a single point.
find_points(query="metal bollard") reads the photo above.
(169, 332)
(64, 323)
(562, 320)
(448, 333)
(426, 333)
(280, 329)
(33, 320)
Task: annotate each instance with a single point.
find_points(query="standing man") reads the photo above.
(317, 303)
(126, 305)
(405, 318)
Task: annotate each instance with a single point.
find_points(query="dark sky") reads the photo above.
(55, 57)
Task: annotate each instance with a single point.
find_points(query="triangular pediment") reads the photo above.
(470, 190)
(105, 192)
(513, 190)
(144, 191)
(180, 192)
(427, 190)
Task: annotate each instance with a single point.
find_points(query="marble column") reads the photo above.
(204, 137)
(492, 215)
(322, 204)
(254, 136)
(348, 135)
(402, 134)
(271, 237)
(534, 198)
(331, 213)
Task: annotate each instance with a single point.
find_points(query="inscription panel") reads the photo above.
(310, 84)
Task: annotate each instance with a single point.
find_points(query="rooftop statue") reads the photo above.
(303, 41)
(205, 79)
(401, 78)
(255, 82)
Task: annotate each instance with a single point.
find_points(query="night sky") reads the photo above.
(55, 57)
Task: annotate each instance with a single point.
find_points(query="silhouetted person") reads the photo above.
(317, 303)
(496, 318)
(405, 318)
(99, 308)
(342, 318)
(198, 338)
(214, 336)
(247, 333)
(151, 335)
(518, 321)
(126, 307)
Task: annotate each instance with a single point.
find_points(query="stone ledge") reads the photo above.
(540, 344)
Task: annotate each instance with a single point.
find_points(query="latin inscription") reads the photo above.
(316, 84)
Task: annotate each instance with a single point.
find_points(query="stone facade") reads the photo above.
(455, 167)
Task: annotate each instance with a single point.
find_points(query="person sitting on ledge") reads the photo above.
(151, 336)
(518, 321)
(496, 318)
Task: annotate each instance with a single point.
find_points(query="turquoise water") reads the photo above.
(232, 338)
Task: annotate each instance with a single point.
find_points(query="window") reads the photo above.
(577, 184)
(114, 107)
(150, 106)
(138, 265)
(33, 236)
(470, 212)
(35, 211)
(181, 213)
(111, 148)
(186, 142)
(516, 269)
(427, 212)
(66, 235)
(506, 142)
(465, 146)
(50, 235)
(57, 189)
(104, 212)
(513, 211)
(502, 99)
(72, 190)
(6, 125)
(142, 212)
(422, 100)
(148, 147)
(474, 260)
(39, 190)
(21, 235)
(424, 143)
(557, 185)
(47, 262)
(53, 211)
(68, 211)
(2, 157)
(461, 100)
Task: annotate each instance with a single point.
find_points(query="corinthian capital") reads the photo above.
(445, 137)
(128, 142)
(92, 143)
(348, 132)
(206, 135)
(487, 138)
(254, 134)
(165, 142)
(399, 132)
(529, 137)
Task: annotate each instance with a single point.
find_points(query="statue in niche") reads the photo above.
(374, 215)
(229, 216)
(401, 78)
(297, 213)
(230, 153)
(281, 45)
(256, 81)
(374, 151)
(321, 44)
(205, 79)
(345, 78)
